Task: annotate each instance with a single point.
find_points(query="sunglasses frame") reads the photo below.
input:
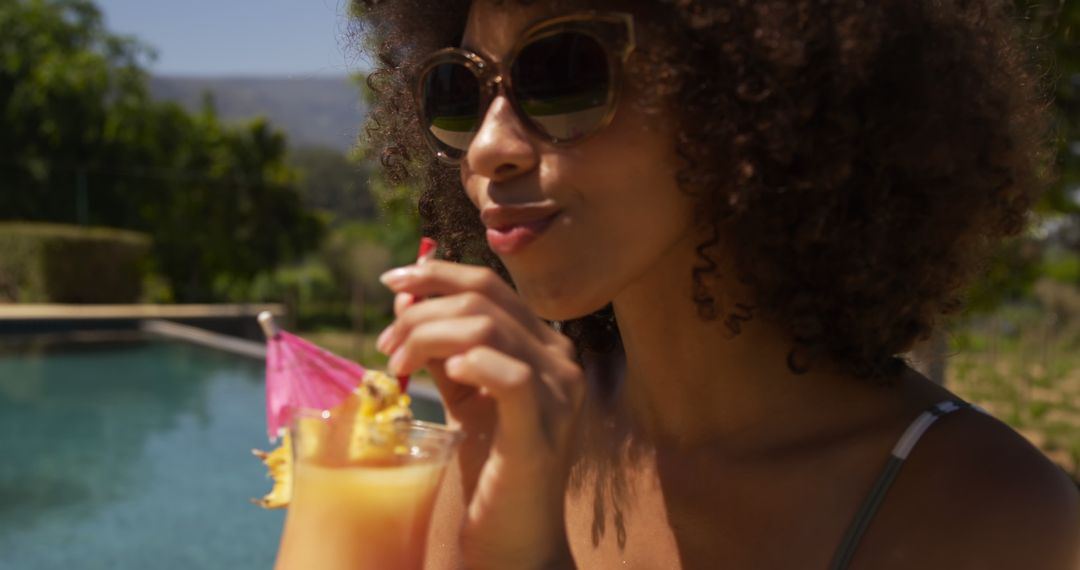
(614, 31)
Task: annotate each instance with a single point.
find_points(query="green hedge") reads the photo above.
(51, 263)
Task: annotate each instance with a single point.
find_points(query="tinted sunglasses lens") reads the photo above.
(451, 106)
(563, 83)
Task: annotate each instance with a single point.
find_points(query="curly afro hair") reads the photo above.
(864, 156)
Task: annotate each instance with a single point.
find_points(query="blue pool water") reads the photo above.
(133, 455)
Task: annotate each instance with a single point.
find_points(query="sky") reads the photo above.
(293, 38)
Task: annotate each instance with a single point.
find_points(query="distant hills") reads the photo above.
(324, 111)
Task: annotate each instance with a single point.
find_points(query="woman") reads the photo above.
(722, 221)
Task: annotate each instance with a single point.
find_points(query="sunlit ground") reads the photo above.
(1023, 365)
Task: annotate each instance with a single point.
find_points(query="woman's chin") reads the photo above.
(562, 308)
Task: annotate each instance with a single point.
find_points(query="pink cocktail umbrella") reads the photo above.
(300, 375)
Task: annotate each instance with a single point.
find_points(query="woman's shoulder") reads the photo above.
(974, 493)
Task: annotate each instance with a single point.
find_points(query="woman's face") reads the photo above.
(576, 224)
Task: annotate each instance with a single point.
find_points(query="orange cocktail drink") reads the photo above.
(362, 490)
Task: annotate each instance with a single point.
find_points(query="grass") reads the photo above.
(1023, 365)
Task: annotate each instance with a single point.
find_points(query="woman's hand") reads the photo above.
(512, 384)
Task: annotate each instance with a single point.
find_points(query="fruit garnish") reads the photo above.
(363, 428)
(382, 406)
(279, 468)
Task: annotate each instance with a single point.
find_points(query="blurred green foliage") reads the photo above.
(1051, 31)
(1021, 362)
(1052, 27)
(338, 286)
(69, 264)
(82, 142)
(333, 183)
(1059, 266)
(235, 215)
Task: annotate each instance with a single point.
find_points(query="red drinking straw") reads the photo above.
(427, 252)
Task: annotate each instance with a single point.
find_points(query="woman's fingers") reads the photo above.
(511, 383)
(402, 301)
(451, 307)
(535, 406)
(442, 278)
(443, 338)
(508, 364)
(477, 333)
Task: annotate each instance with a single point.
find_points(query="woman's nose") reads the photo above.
(502, 148)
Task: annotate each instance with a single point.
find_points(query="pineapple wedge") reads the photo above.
(366, 433)
(279, 466)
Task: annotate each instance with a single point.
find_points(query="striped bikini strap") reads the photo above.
(899, 454)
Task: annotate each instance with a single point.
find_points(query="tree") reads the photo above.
(233, 213)
(60, 73)
(1053, 29)
(81, 141)
(332, 183)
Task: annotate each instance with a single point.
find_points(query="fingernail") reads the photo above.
(395, 362)
(384, 337)
(403, 300)
(397, 277)
(453, 365)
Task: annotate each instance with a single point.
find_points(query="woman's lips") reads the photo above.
(509, 239)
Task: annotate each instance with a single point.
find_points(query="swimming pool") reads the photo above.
(134, 454)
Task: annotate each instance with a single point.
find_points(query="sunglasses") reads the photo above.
(561, 79)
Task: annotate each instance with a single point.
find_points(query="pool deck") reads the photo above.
(54, 312)
(237, 320)
(224, 327)
(421, 386)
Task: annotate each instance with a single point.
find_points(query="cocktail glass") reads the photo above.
(367, 513)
